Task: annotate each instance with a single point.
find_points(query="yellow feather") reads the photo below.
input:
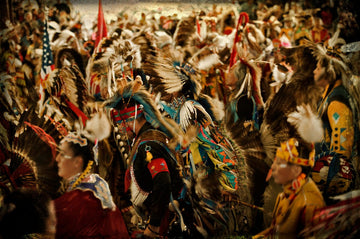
(148, 156)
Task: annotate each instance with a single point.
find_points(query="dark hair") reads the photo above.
(306, 170)
(304, 150)
(24, 211)
(86, 152)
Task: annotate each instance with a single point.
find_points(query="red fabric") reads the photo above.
(101, 26)
(80, 215)
(323, 36)
(78, 112)
(228, 30)
(127, 180)
(156, 166)
(127, 113)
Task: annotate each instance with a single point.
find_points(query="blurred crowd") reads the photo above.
(239, 120)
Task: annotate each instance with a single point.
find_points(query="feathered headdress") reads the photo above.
(67, 88)
(134, 91)
(97, 128)
(310, 129)
(300, 149)
(175, 79)
(334, 61)
(117, 59)
(31, 155)
(65, 38)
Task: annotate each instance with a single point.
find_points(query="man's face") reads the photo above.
(126, 128)
(283, 172)
(319, 76)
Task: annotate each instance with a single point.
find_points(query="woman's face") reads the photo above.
(68, 165)
(283, 172)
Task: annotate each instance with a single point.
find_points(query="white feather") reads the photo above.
(220, 112)
(220, 42)
(278, 76)
(207, 62)
(186, 112)
(98, 127)
(307, 123)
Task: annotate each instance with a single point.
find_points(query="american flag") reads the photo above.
(47, 63)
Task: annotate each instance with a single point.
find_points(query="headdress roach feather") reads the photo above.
(117, 59)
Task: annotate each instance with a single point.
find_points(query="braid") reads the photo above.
(82, 175)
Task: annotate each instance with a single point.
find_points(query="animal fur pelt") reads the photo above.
(300, 90)
(67, 57)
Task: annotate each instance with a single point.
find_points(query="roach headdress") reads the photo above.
(130, 100)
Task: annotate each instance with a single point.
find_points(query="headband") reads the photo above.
(127, 114)
(75, 139)
(288, 151)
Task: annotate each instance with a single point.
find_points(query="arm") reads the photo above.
(160, 194)
(341, 123)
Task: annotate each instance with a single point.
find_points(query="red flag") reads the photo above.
(243, 20)
(101, 26)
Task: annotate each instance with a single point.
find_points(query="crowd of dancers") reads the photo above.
(239, 121)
